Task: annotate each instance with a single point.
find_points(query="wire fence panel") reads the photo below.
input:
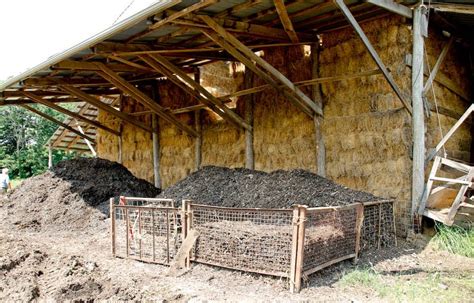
(378, 229)
(330, 236)
(148, 233)
(253, 240)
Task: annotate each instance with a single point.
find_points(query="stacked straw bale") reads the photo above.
(107, 144)
(283, 134)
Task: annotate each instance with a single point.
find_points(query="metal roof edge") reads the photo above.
(101, 36)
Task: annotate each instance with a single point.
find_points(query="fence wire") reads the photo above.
(148, 232)
(378, 228)
(244, 239)
(330, 234)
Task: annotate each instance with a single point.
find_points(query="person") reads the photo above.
(5, 183)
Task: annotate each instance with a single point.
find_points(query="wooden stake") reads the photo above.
(358, 227)
(112, 224)
(153, 233)
(50, 155)
(294, 247)
(300, 249)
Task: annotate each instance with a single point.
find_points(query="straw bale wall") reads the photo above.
(367, 131)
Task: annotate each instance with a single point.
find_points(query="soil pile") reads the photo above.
(73, 194)
(251, 188)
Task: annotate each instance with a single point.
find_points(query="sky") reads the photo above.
(33, 30)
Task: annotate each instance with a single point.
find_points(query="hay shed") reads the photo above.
(336, 88)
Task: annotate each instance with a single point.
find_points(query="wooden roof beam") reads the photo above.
(393, 7)
(218, 106)
(285, 20)
(142, 98)
(56, 121)
(350, 18)
(91, 66)
(174, 16)
(94, 101)
(28, 101)
(69, 113)
(56, 94)
(296, 94)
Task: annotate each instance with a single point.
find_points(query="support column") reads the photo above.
(50, 155)
(318, 99)
(249, 152)
(198, 127)
(418, 124)
(156, 151)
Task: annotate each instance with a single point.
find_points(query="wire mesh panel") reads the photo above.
(253, 240)
(378, 229)
(149, 232)
(330, 236)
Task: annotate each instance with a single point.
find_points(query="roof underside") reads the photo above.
(164, 28)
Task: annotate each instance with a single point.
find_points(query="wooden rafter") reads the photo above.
(94, 101)
(290, 89)
(56, 93)
(69, 113)
(142, 98)
(28, 101)
(170, 18)
(350, 18)
(437, 66)
(220, 108)
(56, 121)
(91, 66)
(285, 20)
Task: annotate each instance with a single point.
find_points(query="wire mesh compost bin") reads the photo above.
(288, 243)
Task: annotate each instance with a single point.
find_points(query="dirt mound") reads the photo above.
(251, 188)
(73, 194)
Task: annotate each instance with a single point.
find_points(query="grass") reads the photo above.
(454, 239)
(415, 287)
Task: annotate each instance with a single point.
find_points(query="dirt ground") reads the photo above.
(77, 265)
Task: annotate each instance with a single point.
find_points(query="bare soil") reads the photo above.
(55, 246)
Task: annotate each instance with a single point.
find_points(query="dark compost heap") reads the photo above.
(251, 188)
(74, 193)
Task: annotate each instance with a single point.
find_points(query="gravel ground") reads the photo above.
(251, 188)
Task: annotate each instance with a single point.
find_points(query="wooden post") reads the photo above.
(140, 231)
(418, 124)
(294, 247)
(156, 151)
(127, 226)
(249, 151)
(120, 156)
(359, 223)
(112, 224)
(300, 249)
(189, 227)
(198, 126)
(318, 99)
(153, 233)
(184, 220)
(50, 155)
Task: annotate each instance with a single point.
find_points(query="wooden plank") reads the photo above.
(300, 248)
(223, 110)
(437, 66)
(350, 18)
(329, 263)
(112, 225)
(429, 185)
(67, 112)
(457, 8)
(102, 106)
(142, 98)
(393, 7)
(238, 50)
(459, 198)
(358, 228)
(91, 66)
(294, 247)
(285, 20)
(418, 119)
(450, 132)
(457, 165)
(454, 181)
(56, 121)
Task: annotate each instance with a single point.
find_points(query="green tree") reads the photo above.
(23, 136)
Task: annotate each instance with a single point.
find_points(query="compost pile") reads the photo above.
(241, 187)
(73, 194)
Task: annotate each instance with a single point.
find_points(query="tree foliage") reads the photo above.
(23, 140)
